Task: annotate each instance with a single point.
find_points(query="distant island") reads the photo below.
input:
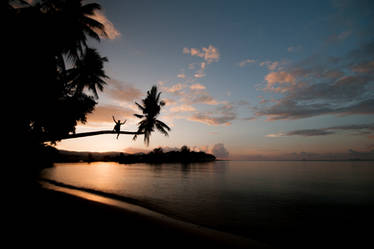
(184, 155)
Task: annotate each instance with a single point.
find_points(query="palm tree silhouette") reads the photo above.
(88, 72)
(151, 107)
(73, 25)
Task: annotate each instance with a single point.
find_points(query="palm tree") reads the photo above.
(150, 110)
(88, 72)
(73, 24)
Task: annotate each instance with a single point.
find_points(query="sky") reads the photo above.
(241, 79)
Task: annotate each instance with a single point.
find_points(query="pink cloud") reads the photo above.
(123, 91)
(103, 114)
(197, 86)
(174, 88)
(183, 108)
(280, 81)
(279, 77)
(134, 150)
(209, 54)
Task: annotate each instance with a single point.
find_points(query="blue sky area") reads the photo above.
(242, 79)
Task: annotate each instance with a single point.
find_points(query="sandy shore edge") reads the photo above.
(196, 234)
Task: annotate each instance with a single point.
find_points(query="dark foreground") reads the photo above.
(47, 218)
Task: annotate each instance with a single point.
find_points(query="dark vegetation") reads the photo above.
(185, 155)
(54, 74)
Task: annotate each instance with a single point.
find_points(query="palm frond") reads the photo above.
(161, 129)
(140, 106)
(162, 124)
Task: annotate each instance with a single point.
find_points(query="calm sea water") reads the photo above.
(254, 199)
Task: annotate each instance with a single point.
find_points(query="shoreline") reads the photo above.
(197, 235)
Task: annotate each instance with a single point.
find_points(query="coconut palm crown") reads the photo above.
(151, 107)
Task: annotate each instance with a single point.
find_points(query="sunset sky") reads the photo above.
(241, 79)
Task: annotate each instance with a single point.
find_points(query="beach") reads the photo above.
(58, 216)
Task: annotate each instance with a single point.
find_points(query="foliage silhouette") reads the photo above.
(153, 157)
(89, 72)
(151, 107)
(52, 64)
(53, 76)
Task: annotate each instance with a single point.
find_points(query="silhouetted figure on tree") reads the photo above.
(117, 126)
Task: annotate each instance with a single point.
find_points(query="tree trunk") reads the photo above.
(94, 133)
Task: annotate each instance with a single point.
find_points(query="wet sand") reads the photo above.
(57, 216)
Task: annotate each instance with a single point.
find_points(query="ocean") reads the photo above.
(282, 203)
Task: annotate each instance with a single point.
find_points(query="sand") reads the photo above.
(55, 216)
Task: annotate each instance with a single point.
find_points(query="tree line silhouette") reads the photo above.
(156, 156)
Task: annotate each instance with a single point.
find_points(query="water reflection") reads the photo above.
(235, 196)
(188, 168)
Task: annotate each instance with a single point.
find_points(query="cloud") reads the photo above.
(201, 97)
(190, 94)
(245, 62)
(310, 132)
(209, 54)
(223, 114)
(271, 65)
(322, 85)
(212, 119)
(364, 67)
(183, 108)
(181, 76)
(103, 114)
(289, 109)
(348, 155)
(272, 135)
(280, 82)
(220, 151)
(110, 31)
(279, 77)
(122, 91)
(134, 150)
(169, 101)
(200, 73)
(197, 86)
(358, 129)
(176, 89)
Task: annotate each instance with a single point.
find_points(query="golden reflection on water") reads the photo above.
(106, 174)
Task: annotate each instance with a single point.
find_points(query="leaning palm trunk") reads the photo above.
(95, 133)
